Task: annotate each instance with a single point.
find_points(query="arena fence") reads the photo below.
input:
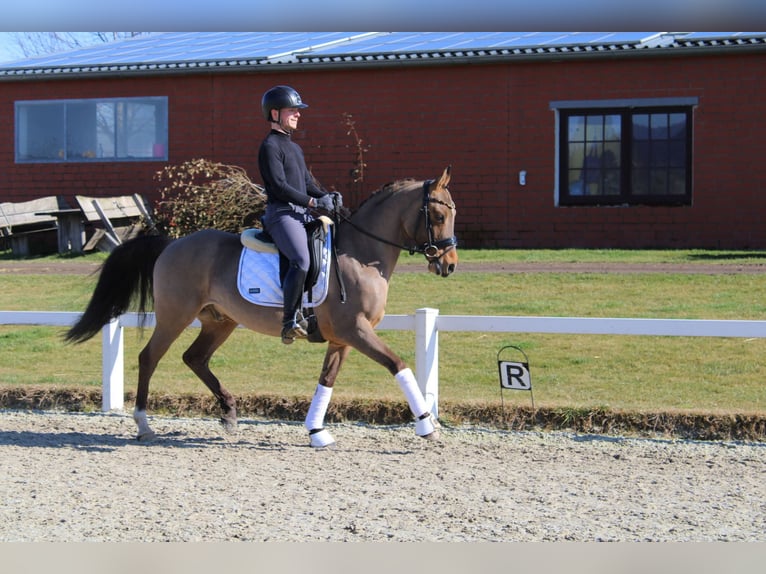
(426, 323)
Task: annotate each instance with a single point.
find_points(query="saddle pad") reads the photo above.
(258, 278)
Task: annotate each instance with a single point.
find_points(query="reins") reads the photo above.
(430, 248)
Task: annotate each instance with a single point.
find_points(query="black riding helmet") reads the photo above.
(280, 97)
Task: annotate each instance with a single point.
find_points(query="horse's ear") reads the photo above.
(444, 179)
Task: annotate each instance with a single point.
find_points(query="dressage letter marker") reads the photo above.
(515, 376)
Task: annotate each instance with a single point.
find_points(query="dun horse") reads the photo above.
(195, 277)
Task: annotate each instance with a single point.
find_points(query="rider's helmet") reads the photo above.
(280, 97)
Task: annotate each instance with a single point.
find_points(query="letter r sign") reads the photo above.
(515, 375)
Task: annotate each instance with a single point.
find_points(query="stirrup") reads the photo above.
(295, 329)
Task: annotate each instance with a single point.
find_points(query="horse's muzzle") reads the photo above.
(445, 264)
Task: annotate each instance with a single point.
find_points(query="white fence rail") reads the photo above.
(427, 323)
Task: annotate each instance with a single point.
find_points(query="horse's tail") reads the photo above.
(125, 276)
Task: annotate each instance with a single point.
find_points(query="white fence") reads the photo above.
(427, 323)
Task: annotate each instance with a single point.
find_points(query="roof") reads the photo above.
(205, 51)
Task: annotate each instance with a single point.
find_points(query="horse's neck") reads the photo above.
(368, 251)
(379, 244)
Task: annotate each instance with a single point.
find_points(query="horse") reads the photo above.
(195, 276)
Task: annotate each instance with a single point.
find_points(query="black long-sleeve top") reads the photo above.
(283, 171)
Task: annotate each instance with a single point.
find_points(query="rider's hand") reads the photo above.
(325, 202)
(337, 198)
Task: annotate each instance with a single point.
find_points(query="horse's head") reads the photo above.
(440, 244)
(426, 222)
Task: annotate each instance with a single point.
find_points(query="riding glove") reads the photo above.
(325, 202)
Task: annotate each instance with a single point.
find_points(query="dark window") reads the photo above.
(118, 129)
(625, 156)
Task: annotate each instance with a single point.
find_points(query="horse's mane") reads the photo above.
(391, 187)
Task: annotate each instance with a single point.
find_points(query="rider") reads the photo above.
(291, 191)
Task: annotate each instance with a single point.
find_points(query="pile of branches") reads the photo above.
(200, 194)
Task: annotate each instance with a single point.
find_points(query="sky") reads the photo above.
(391, 15)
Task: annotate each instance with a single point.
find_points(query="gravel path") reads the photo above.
(71, 477)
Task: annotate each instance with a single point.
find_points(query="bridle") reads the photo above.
(430, 249)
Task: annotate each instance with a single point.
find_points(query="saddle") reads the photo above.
(315, 287)
(316, 235)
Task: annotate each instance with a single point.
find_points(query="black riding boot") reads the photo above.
(293, 324)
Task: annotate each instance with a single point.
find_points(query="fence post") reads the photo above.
(112, 366)
(427, 356)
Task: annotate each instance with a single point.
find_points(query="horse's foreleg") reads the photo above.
(319, 436)
(197, 357)
(426, 424)
(372, 346)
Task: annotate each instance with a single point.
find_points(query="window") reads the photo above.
(119, 129)
(626, 154)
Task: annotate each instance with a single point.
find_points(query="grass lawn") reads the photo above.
(589, 371)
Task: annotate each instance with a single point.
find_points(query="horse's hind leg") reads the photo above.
(148, 358)
(215, 330)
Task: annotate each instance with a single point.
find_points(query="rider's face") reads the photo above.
(288, 118)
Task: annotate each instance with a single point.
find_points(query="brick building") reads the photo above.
(621, 140)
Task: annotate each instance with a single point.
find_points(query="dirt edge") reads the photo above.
(599, 421)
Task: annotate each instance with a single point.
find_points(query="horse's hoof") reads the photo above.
(229, 426)
(146, 436)
(434, 436)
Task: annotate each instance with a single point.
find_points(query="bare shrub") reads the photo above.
(200, 194)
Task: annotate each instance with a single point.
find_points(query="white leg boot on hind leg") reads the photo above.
(426, 426)
(144, 430)
(318, 435)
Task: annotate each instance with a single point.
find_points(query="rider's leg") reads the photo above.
(293, 326)
(288, 231)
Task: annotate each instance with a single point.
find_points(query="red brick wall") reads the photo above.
(488, 121)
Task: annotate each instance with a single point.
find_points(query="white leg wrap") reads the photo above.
(409, 386)
(321, 439)
(318, 408)
(426, 426)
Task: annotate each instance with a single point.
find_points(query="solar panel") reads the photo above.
(449, 41)
(191, 46)
(708, 35)
(232, 46)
